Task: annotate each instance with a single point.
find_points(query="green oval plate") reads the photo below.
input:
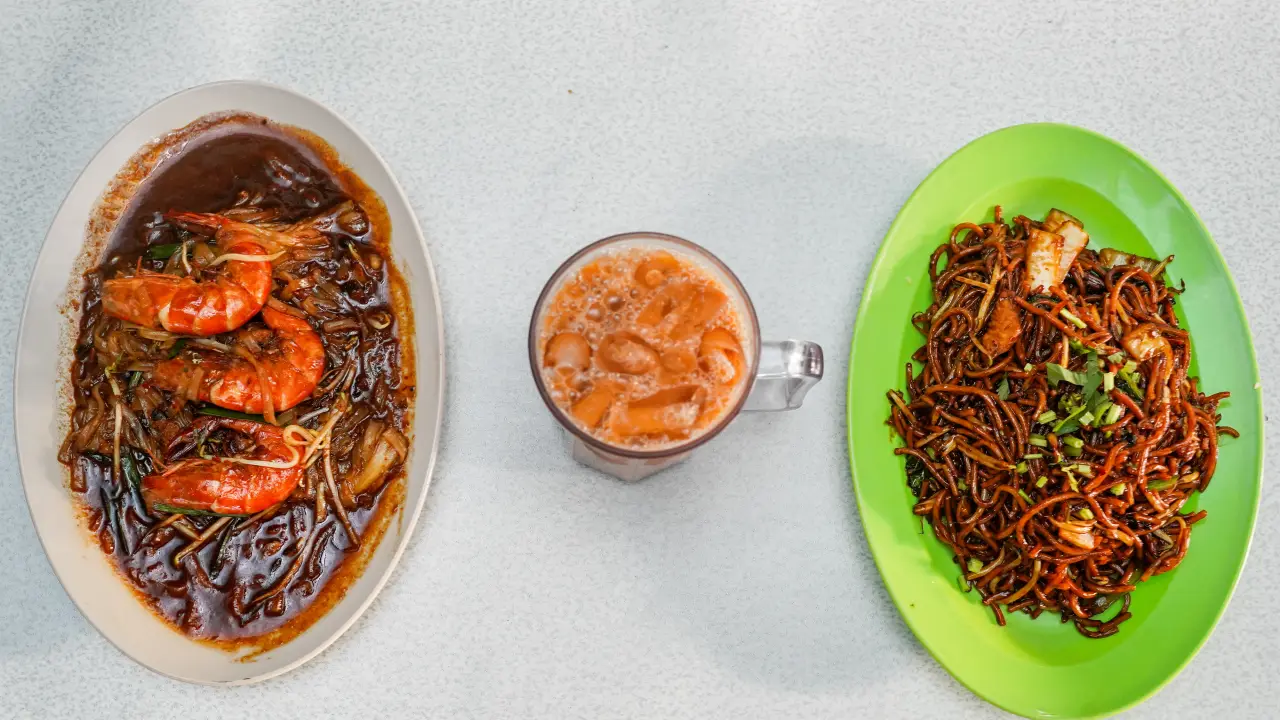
(1043, 668)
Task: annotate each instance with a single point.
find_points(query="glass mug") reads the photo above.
(777, 376)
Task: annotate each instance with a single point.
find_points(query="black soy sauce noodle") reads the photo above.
(211, 595)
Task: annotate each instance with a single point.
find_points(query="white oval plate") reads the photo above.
(95, 587)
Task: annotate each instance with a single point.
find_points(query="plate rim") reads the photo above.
(1259, 445)
(409, 514)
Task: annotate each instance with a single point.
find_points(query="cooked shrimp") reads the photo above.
(1145, 342)
(228, 486)
(190, 307)
(290, 362)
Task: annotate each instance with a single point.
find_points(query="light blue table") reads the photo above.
(783, 136)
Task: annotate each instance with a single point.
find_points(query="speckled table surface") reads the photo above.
(784, 136)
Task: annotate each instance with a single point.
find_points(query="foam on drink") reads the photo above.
(643, 348)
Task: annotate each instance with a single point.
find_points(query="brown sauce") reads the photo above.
(350, 293)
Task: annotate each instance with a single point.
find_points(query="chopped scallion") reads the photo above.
(1117, 489)
(1037, 440)
(1042, 481)
(1085, 513)
(1116, 357)
(1072, 318)
(1021, 467)
(1025, 496)
(1047, 416)
(1072, 441)
(1108, 381)
(974, 564)
(1033, 456)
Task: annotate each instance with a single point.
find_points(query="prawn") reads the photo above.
(228, 486)
(285, 370)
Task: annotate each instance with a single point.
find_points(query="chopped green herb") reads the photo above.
(1033, 456)
(1117, 489)
(1108, 381)
(1072, 441)
(1002, 390)
(1037, 440)
(1028, 367)
(1085, 513)
(177, 348)
(975, 565)
(1071, 480)
(1042, 481)
(162, 252)
(1130, 379)
(1077, 346)
(1085, 470)
(1160, 485)
(1025, 496)
(1116, 357)
(1072, 318)
(135, 379)
(1057, 373)
(961, 486)
(1072, 452)
(1086, 419)
(1021, 467)
(1047, 416)
(917, 474)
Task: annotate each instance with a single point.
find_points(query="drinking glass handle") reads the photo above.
(787, 370)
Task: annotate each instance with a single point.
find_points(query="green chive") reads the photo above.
(1072, 318)
(216, 411)
(1025, 496)
(1028, 367)
(1033, 456)
(1129, 367)
(975, 565)
(1086, 419)
(1072, 441)
(1085, 470)
(1071, 480)
(961, 486)
(1117, 489)
(177, 348)
(161, 507)
(1047, 416)
(1085, 513)
(135, 379)
(1160, 485)
(1042, 481)
(1072, 452)
(1116, 357)
(1109, 381)
(1037, 440)
(1113, 414)
(1021, 467)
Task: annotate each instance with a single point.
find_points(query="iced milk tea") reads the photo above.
(642, 348)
